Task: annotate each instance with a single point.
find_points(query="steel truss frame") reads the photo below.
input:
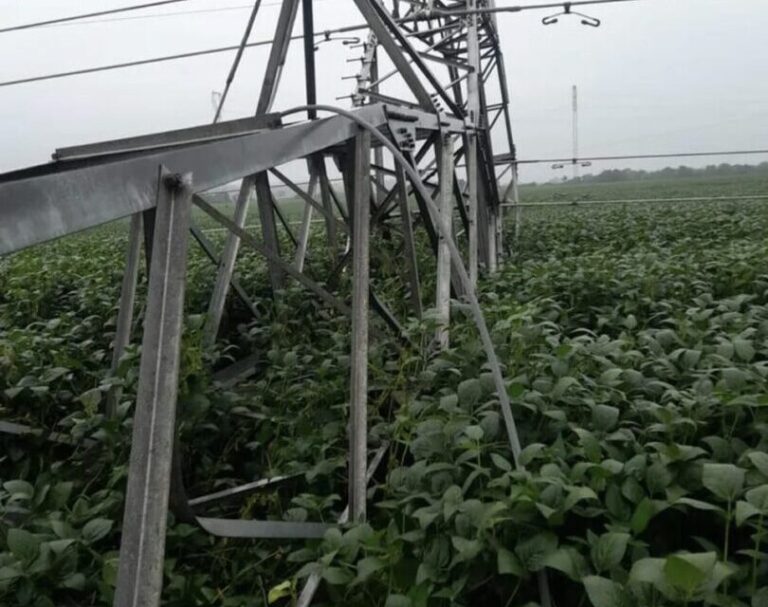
(389, 151)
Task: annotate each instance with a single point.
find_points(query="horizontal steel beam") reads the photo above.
(244, 529)
(197, 134)
(50, 201)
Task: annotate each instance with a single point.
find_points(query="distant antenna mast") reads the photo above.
(575, 132)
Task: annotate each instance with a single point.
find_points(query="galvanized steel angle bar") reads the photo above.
(282, 265)
(142, 548)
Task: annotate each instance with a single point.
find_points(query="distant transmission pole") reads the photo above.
(575, 132)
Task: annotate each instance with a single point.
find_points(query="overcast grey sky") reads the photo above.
(658, 76)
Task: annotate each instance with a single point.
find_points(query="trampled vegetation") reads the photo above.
(635, 345)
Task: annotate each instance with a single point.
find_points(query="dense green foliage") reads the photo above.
(635, 348)
(750, 185)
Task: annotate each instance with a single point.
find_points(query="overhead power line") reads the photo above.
(124, 9)
(641, 157)
(165, 15)
(421, 16)
(118, 66)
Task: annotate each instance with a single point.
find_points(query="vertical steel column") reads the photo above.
(516, 200)
(358, 403)
(493, 252)
(306, 225)
(125, 313)
(409, 242)
(142, 548)
(308, 18)
(269, 228)
(269, 87)
(368, 8)
(275, 64)
(378, 152)
(473, 111)
(445, 202)
(277, 55)
(227, 266)
(326, 197)
(310, 78)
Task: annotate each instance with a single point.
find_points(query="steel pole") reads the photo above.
(473, 111)
(445, 201)
(358, 404)
(127, 303)
(142, 548)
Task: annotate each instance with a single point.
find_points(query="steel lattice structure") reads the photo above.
(390, 150)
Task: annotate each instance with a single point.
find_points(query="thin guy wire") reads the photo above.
(236, 62)
(340, 30)
(113, 11)
(221, 9)
(641, 156)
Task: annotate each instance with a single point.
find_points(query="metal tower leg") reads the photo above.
(445, 201)
(127, 302)
(473, 110)
(409, 242)
(142, 549)
(227, 265)
(306, 225)
(358, 404)
(269, 228)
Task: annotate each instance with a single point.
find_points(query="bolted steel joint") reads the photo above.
(176, 181)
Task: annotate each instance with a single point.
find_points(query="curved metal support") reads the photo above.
(456, 259)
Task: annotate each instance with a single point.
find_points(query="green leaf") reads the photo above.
(534, 551)
(758, 497)
(605, 418)
(449, 403)
(337, 576)
(603, 592)
(648, 571)
(466, 549)
(470, 391)
(91, 400)
(9, 574)
(562, 386)
(59, 494)
(744, 349)
(59, 546)
(643, 514)
(531, 452)
(760, 598)
(508, 564)
(578, 494)
(474, 433)
(724, 480)
(698, 504)
(610, 377)
(96, 529)
(368, 566)
(760, 461)
(452, 499)
(608, 551)
(745, 511)
(398, 600)
(76, 581)
(568, 561)
(303, 555)
(501, 463)
(280, 591)
(688, 571)
(23, 544)
(19, 489)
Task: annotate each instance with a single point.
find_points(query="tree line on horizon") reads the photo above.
(681, 172)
